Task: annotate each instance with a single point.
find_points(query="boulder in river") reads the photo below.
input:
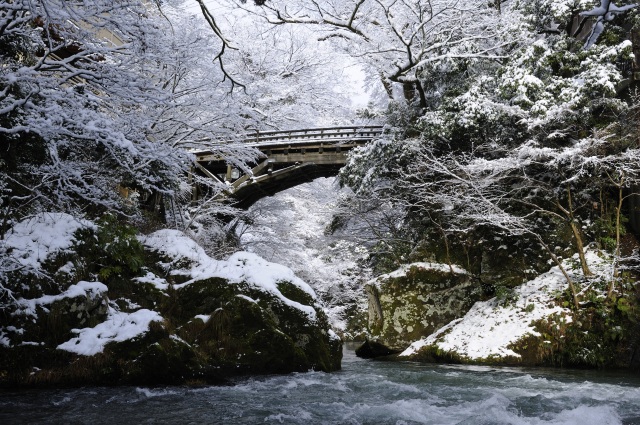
(373, 349)
(416, 300)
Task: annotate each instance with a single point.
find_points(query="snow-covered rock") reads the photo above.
(491, 330)
(163, 312)
(416, 300)
(290, 228)
(32, 241)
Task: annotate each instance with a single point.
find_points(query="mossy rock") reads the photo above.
(407, 306)
(246, 329)
(373, 349)
(51, 322)
(265, 335)
(144, 295)
(155, 358)
(433, 354)
(598, 336)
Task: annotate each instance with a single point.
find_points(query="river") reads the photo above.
(364, 392)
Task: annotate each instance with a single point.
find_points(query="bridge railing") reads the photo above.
(329, 134)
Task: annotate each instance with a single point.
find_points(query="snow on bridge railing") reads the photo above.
(328, 134)
(320, 134)
(263, 139)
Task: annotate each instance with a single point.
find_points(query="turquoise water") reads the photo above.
(364, 392)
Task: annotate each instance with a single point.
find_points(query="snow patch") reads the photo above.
(404, 269)
(204, 317)
(244, 297)
(118, 327)
(160, 283)
(333, 336)
(87, 289)
(4, 340)
(34, 240)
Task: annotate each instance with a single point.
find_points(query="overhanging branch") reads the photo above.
(225, 44)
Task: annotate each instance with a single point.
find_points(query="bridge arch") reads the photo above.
(290, 158)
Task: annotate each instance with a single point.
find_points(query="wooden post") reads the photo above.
(192, 183)
(228, 176)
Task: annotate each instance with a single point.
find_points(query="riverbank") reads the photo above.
(533, 324)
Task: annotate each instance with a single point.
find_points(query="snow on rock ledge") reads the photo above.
(118, 327)
(406, 268)
(90, 290)
(33, 240)
(244, 314)
(240, 267)
(489, 329)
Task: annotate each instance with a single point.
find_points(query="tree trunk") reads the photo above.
(576, 234)
(423, 97)
(387, 85)
(409, 91)
(574, 293)
(616, 257)
(446, 248)
(580, 247)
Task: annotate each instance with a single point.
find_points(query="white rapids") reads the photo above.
(364, 392)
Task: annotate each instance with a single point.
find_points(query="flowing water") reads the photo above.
(364, 392)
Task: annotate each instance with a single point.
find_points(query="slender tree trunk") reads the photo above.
(576, 234)
(617, 253)
(572, 287)
(580, 247)
(421, 93)
(446, 248)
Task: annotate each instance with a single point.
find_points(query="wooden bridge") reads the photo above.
(289, 159)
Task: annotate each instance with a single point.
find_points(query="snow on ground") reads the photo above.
(488, 328)
(118, 327)
(33, 240)
(240, 267)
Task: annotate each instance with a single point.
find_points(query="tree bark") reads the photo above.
(576, 233)
(617, 252)
(572, 287)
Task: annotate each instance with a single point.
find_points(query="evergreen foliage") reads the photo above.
(529, 148)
